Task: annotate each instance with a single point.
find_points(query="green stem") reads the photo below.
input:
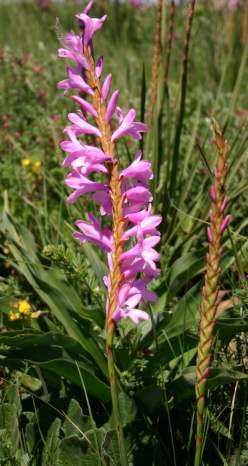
(114, 397)
(198, 451)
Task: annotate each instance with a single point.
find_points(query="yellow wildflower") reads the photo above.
(36, 167)
(13, 316)
(24, 307)
(26, 162)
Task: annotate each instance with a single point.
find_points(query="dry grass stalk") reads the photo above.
(245, 23)
(156, 62)
(171, 17)
(184, 80)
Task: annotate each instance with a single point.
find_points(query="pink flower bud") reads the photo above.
(225, 224)
(205, 373)
(223, 205)
(210, 236)
(213, 193)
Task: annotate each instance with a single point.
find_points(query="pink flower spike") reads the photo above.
(85, 105)
(210, 236)
(225, 224)
(112, 106)
(106, 87)
(132, 256)
(99, 67)
(82, 126)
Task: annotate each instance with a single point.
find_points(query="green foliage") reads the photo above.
(49, 361)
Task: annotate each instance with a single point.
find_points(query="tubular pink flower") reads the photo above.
(89, 25)
(74, 50)
(74, 43)
(81, 126)
(106, 87)
(85, 105)
(129, 127)
(127, 303)
(139, 169)
(103, 199)
(123, 195)
(99, 67)
(75, 81)
(90, 154)
(112, 106)
(138, 194)
(81, 184)
(148, 226)
(94, 233)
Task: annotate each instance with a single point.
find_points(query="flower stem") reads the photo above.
(114, 396)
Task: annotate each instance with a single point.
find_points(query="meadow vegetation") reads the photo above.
(55, 400)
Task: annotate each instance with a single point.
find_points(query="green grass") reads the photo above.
(63, 351)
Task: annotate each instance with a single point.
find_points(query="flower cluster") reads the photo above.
(22, 309)
(43, 4)
(34, 167)
(230, 4)
(139, 4)
(123, 195)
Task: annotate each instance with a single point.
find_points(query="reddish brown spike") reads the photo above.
(210, 291)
